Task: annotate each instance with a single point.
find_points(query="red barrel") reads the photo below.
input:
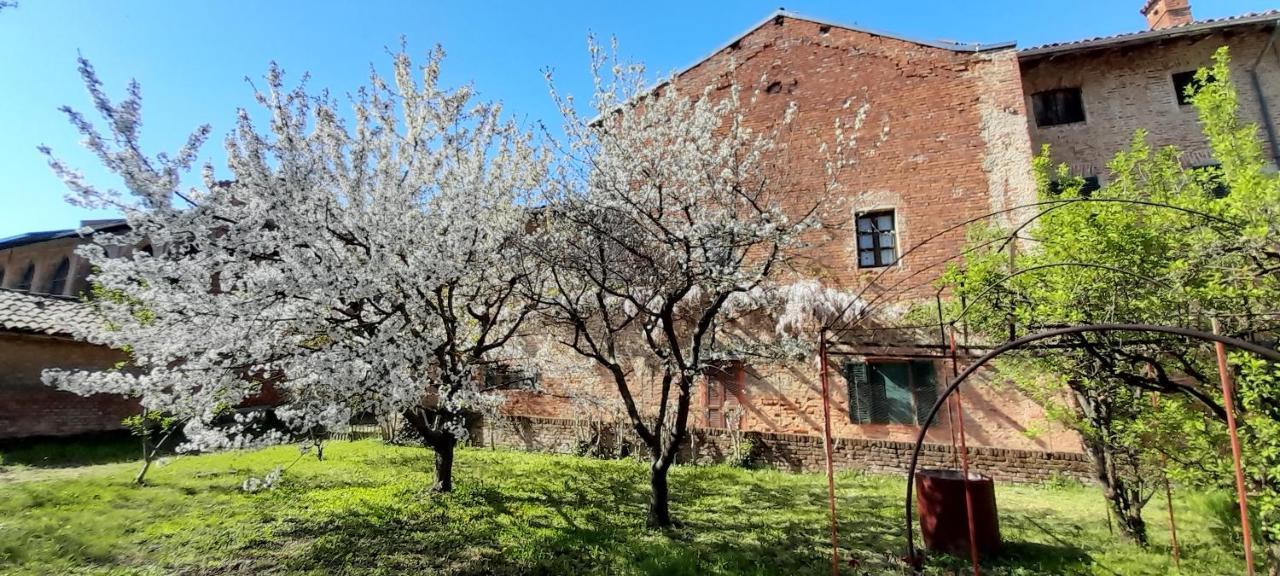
(944, 518)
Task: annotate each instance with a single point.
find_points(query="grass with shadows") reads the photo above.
(367, 510)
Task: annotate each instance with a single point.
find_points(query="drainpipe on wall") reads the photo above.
(1267, 122)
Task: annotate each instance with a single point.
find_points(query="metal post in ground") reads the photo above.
(964, 464)
(1228, 403)
(826, 445)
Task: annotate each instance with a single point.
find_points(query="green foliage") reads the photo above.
(150, 424)
(1159, 244)
(367, 509)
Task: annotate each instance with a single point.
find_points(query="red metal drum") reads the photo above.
(944, 519)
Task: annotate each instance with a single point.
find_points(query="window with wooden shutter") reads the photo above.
(855, 375)
(891, 391)
(924, 382)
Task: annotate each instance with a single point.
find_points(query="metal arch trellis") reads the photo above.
(973, 367)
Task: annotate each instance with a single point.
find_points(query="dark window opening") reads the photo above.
(505, 377)
(877, 241)
(1091, 184)
(1, 277)
(58, 283)
(1213, 180)
(24, 283)
(1184, 85)
(1054, 107)
(891, 392)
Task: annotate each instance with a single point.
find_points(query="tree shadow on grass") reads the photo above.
(53, 452)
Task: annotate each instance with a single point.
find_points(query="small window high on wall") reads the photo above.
(1061, 106)
(877, 239)
(58, 283)
(891, 391)
(24, 283)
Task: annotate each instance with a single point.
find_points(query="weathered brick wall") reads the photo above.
(1126, 89)
(29, 408)
(940, 137)
(793, 452)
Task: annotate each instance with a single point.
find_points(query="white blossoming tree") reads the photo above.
(664, 227)
(348, 266)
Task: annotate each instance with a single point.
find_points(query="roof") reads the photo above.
(35, 237)
(43, 314)
(780, 13)
(1191, 29)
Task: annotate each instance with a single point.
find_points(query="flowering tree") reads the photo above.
(346, 267)
(664, 227)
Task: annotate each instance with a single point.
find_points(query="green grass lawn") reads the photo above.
(366, 510)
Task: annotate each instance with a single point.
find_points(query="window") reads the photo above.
(1090, 185)
(24, 283)
(58, 283)
(1210, 176)
(1054, 107)
(1, 277)
(505, 377)
(877, 242)
(723, 383)
(891, 392)
(1184, 83)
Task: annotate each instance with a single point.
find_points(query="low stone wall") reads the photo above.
(793, 452)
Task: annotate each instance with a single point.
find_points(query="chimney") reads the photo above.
(1167, 13)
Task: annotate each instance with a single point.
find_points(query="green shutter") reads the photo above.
(855, 374)
(925, 380)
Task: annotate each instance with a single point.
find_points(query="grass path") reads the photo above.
(366, 510)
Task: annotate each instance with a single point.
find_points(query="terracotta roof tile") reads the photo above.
(43, 314)
(1145, 35)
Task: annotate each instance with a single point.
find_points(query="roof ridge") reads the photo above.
(1189, 27)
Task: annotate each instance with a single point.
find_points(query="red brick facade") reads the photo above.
(941, 138)
(29, 408)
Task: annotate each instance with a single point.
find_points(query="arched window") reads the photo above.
(58, 283)
(1, 277)
(24, 283)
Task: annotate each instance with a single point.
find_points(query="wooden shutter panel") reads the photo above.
(924, 379)
(855, 374)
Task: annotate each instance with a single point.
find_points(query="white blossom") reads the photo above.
(355, 262)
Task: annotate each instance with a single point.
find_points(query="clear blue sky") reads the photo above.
(192, 57)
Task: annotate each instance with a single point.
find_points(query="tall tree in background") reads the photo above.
(1160, 244)
(357, 267)
(663, 228)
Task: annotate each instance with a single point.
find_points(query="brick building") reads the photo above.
(1087, 98)
(41, 279)
(35, 334)
(948, 132)
(945, 133)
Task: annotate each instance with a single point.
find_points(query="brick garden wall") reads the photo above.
(792, 452)
(29, 408)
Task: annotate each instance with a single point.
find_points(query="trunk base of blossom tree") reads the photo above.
(443, 449)
(659, 498)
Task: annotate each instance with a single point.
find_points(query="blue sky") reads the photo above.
(192, 57)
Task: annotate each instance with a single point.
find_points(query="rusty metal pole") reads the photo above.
(826, 445)
(1228, 403)
(964, 464)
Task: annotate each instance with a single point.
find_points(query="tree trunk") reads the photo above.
(146, 463)
(1120, 496)
(659, 496)
(443, 447)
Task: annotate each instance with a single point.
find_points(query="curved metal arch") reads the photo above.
(973, 367)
